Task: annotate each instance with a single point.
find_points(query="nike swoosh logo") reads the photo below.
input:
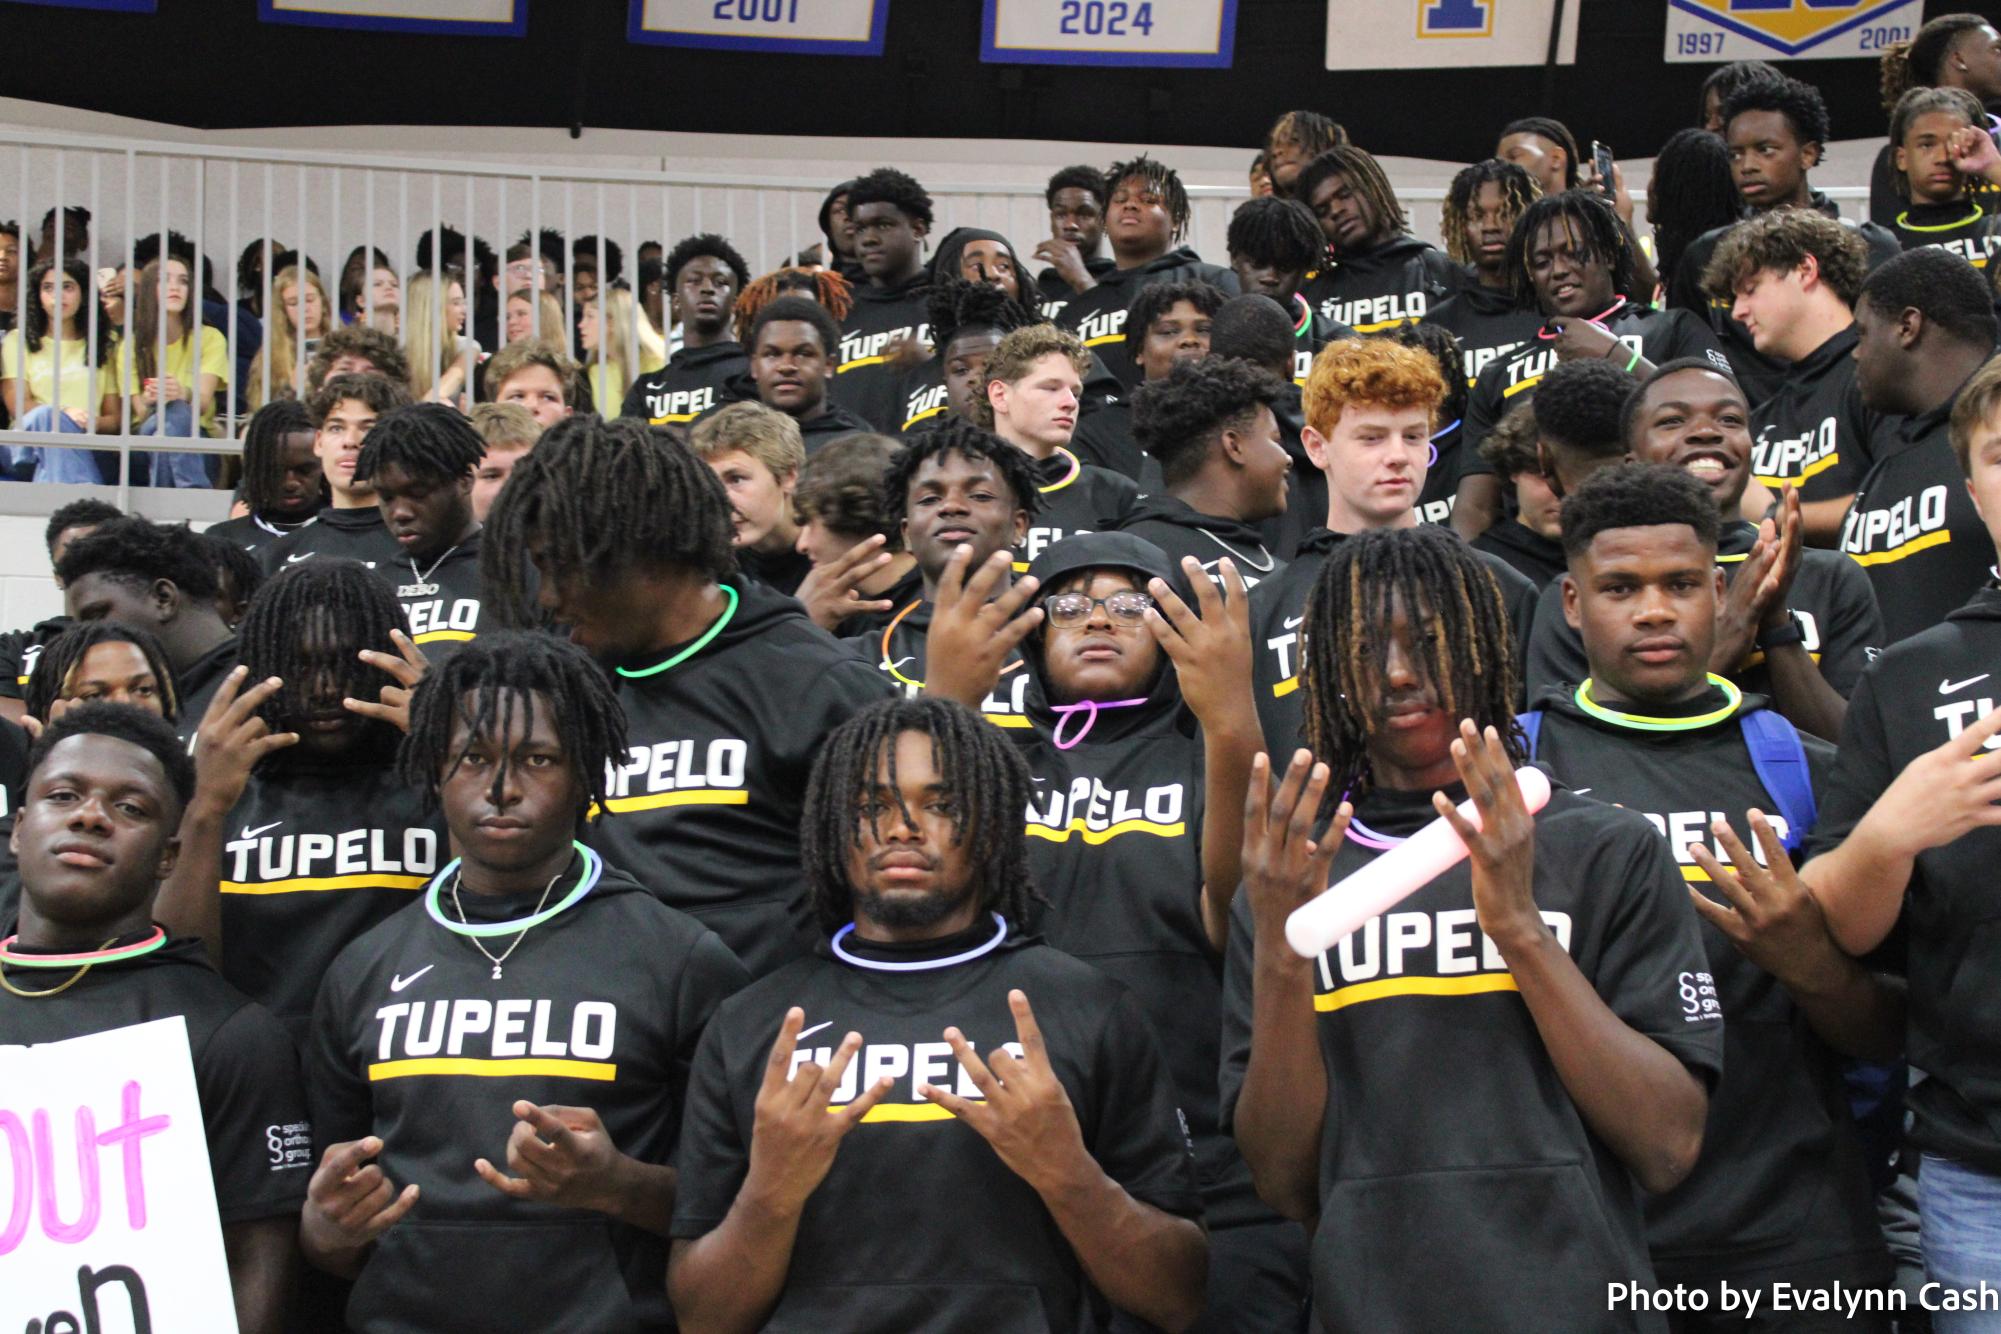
(1294, 622)
(249, 833)
(398, 982)
(294, 560)
(805, 1033)
(1580, 791)
(889, 666)
(1950, 687)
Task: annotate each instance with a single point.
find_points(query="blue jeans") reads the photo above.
(1959, 1222)
(57, 465)
(173, 469)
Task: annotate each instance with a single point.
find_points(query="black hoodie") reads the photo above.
(687, 386)
(830, 424)
(19, 651)
(1398, 282)
(1960, 226)
(1077, 497)
(1781, 1179)
(864, 381)
(1177, 529)
(1053, 293)
(1487, 321)
(896, 648)
(1539, 558)
(1814, 430)
(1920, 694)
(337, 534)
(706, 811)
(601, 1007)
(1098, 316)
(443, 597)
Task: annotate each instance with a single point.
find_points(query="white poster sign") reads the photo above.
(1714, 31)
(489, 18)
(1177, 33)
(797, 27)
(1428, 34)
(107, 1208)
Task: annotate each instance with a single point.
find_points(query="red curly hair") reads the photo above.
(1371, 372)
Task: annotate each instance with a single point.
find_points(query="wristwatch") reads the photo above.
(1792, 632)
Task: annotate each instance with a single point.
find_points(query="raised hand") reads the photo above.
(1211, 650)
(972, 630)
(559, 1155)
(1502, 849)
(830, 593)
(1768, 912)
(233, 738)
(1026, 1113)
(796, 1130)
(1973, 152)
(1943, 793)
(407, 667)
(1284, 865)
(1577, 337)
(349, 1202)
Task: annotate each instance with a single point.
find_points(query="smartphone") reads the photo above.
(1601, 159)
(104, 277)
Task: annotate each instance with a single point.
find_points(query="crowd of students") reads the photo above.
(814, 850)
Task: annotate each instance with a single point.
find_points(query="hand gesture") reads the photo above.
(1578, 338)
(407, 668)
(1973, 152)
(1622, 201)
(1769, 914)
(1502, 849)
(233, 738)
(1284, 866)
(972, 631)
(1211, 652)
(1026, 1115)
(170, 389)
(559, 1155)
(1067, 260)
(796, 1130)
(1756, 599)
(349, 1202)
(1943, 793)
(830, 592)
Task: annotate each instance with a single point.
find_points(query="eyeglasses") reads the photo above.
(1126, 607)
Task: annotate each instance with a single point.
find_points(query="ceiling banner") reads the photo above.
(1429, 34)
(471, 18)
(783, 27)
(1714, 31)
(1174, 33)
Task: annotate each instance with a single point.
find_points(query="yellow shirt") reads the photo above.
(84, 385)
(179, 364)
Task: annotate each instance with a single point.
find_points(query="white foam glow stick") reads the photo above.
(1385, 882)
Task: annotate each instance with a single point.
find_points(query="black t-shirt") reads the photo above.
(349, 534)
(1453, 1163)
(1311, 331)
(1098, 315)
(1814, 432)
(19, 651)
(1487, 323)
(1278, 615)
(195, 687)
(443, 597)
(260, 1148)
(1077, 497)
(689, 384)
(251, 532)
(1781, 1179)
(1398, 282)
(1961, 227)
(1539, 559)
(706, 809)
(1886, 197)
(1920, 694)
(970, 1247)
(1658, 335)
(1836, 609)
(312, 857)
(864, 381)
(1177, 529)
(896, 648)
(1914, 530)
(599, 1007)
(1052, 293)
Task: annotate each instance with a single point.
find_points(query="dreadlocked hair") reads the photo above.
(1545, 127)
(1593, 227)
(488, 686)
(1518, 188)
(825, 286)
(985, 779)
(238, 574)
(594, 497)
(1444, 348)
(1915, 64)
(1313, 132)
(426, 440)
(1925, 102)
(1275, 231)
(1162, 179)
(957, 436)
(1694, 192)
(264, 453)
(1364, 175)
(1460, 642)
(307, 626)
(955, 304)
(65, 653)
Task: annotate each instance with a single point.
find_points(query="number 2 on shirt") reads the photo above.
(1109, 18)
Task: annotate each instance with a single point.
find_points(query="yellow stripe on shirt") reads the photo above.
(602, 1071)
(1473, 985)
(1061, 834)
(1910, 548)
(694, 796)
(321, 884)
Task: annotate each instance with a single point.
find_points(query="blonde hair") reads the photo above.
(505, 424)
(281, 342)
(552, 314)
(516, 357)
(617, 334)
(766, 434)
(429, 344)
(1015, 356)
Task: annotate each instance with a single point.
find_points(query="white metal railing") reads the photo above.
(325, 205)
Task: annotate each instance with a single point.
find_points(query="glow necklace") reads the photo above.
(1904, 221)
(1732, 697)
(1432, 462)
(84, 961)
(586, 882)
(1067, 713)
(1076, 467)
(889, 666)
(919, 965)
(693, 648)
(1598, 319)
(1363, 836)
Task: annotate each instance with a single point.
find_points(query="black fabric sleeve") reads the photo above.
(1485, 407)
(1555, 653)
(260, 1147)
(1856, 628)
(1139, 1135)
(710, 976)
(714, 1153)
(1682, 334)
(336, 1093)
(1235, 1053)
(635, 401)
(12, 686)
(1862, 769)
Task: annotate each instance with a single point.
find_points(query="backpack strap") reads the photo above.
(1531, 725)
(1780, 759)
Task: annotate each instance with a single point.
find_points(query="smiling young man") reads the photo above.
(1377, 275)
(728, 687)
(281, 477)
(1371, 407)
(1924, 324)
(1486, 315)
(535, 374)
(544, 1182)
(420, 462)
(1796, 624)
(1169, 324)
(703, 275)
(891, 216)
(1076, 197)
(1065, 1135)
(1146, 217)
(756, 453)
(1792, 278)
(792, 342)
(1522, 1041)
(344, 411)
(95, 835)
(1033, 381)
(1781, 1192)
(1211, 427)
